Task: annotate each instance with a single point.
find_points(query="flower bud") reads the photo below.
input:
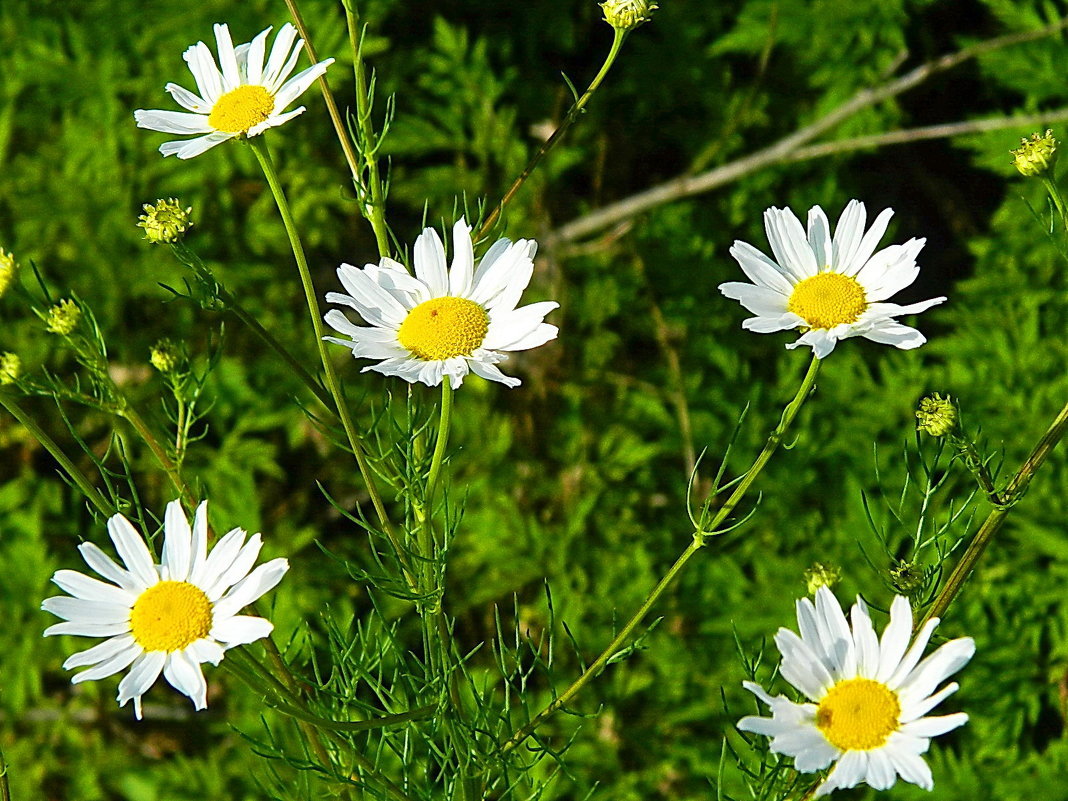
(1037, 155)
(63, 318)
(165, 356)
(166, 221)
(7, 271)
(10, 368)
(822, 575)
(907, 577)
(937, 415)
(626, 15)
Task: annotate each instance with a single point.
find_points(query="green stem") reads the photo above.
(557, 135)
(328, 96)
(1055, 194)
(5, 791)
(131, 415)
(699, 538)
(375, 210)
(1015, 489)
(76, 475)
(263, 155)
(194, 262)
(247, 668)
(433, 614)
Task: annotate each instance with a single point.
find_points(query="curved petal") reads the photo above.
(429, 257)
(146, 669)
(177, 542)
(185, 675)
(789, 243)
(81, 586)
(132, 550)
(187, 100)
(241, 630)
(461, 276)
(172, 122)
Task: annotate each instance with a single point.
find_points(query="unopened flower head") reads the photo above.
(10, 368)
(442, 322)
(241, 97)
(165, 221)
(63, 318)
(822, 575)
(167, 618)
(868, 697)
(907, 577)
(937, 416)
(830, 288)
(7, 270)
(626, 15)
(165, 356)
(1037, 155)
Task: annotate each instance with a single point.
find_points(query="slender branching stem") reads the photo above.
(990, 527)
(557, 135)
(328, 96)
(133, 417)
(194, 262)
(699, 538)
(263, 155)
(374, 204)
(92, 494)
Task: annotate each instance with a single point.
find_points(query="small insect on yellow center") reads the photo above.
(170, 616)
(241, 109)
(827, 300)
(858, 714)
(443, 328)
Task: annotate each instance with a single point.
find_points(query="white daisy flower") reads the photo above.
(167, 618)
(239, 97)
(443, 322)
(833, 289)
(869, 696)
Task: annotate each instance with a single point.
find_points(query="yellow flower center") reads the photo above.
(827, 300)
(170, 616)
(444, 327)
(858, 714)
(240, 109)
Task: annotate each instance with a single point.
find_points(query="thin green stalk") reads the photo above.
(76, 475)
(699, 538)
(131, 415)
(433, 632)
(5, 791)
(193, 261)
(263, 155)
(1055, 194)
(328, 96)
(375, 211)
(557, 135)
(990, 527)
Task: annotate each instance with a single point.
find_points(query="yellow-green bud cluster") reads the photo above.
(166, 221)
(1037, 155)
(822, 575)
(7, 270)
(626, 15)
(165, 356)
(937, 415)
(10, 368)
(907, 577)
(63, 318)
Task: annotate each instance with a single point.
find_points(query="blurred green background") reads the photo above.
(580, 475)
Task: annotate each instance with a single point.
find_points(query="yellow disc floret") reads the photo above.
(442, 328)
(241, 109)
(827, 300)
(170, 616)
(858, 714)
